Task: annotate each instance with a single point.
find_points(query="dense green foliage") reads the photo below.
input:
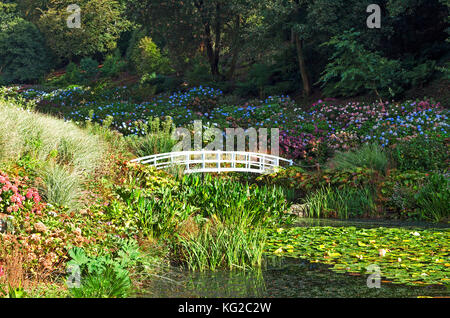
(344, 203)
(106, 275)
(253, 48)
(77, 216)
(102, 22)
(147, 58)
(23, 55)
(158, 212)
(421, 154)
(353, 70)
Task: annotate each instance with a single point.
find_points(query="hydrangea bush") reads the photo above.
(311, 135)
(15, 196)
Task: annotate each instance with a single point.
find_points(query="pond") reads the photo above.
(290, 277)
(370, 223)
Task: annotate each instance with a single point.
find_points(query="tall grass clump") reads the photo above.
(114, 139)
(370, 156)
(61, 148)
(26, 132)
(157, 138)
(342, 203)
(217, 247)
(60, 186)
(433, 200)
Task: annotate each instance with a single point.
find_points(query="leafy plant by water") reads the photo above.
(433, 199)
(157, 215)
(106, 275)
(107, 283)
(343, 203)
(222, 247)
(417, 195)
(151, 213)
(233, 202)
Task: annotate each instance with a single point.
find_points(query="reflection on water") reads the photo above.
(285, 277)
(281, 278)
(365, 223)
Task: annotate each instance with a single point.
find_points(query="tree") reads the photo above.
(214, 27)
(148, 58)
(353, 69)
(102, 22)
(306, 24)
(30, 9)
(23, 56)
(421, 27)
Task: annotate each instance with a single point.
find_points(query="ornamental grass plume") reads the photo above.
(56, 145)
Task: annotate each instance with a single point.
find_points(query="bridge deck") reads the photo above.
(216, 161)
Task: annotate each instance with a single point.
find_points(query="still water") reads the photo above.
(286, 277)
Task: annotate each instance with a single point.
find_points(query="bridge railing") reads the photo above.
(216, 161)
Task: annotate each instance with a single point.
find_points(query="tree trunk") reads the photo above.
(217, 45)
(236, 48)
(302, 66)
(212, 52)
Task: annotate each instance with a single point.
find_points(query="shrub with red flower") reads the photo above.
(15, 196)
(303, 146)
(343, 141)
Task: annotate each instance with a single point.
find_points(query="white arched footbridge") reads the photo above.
(216, 161)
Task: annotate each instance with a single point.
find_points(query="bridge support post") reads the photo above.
(218, 160)
(263, 163)
(203, 162)
(188, 165)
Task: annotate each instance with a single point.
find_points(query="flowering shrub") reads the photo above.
(14, 196)
(43, 239)
(198, 98)
(310, 136)
(305, 146)
(142, 176)
(421, 153)
(344, 141)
